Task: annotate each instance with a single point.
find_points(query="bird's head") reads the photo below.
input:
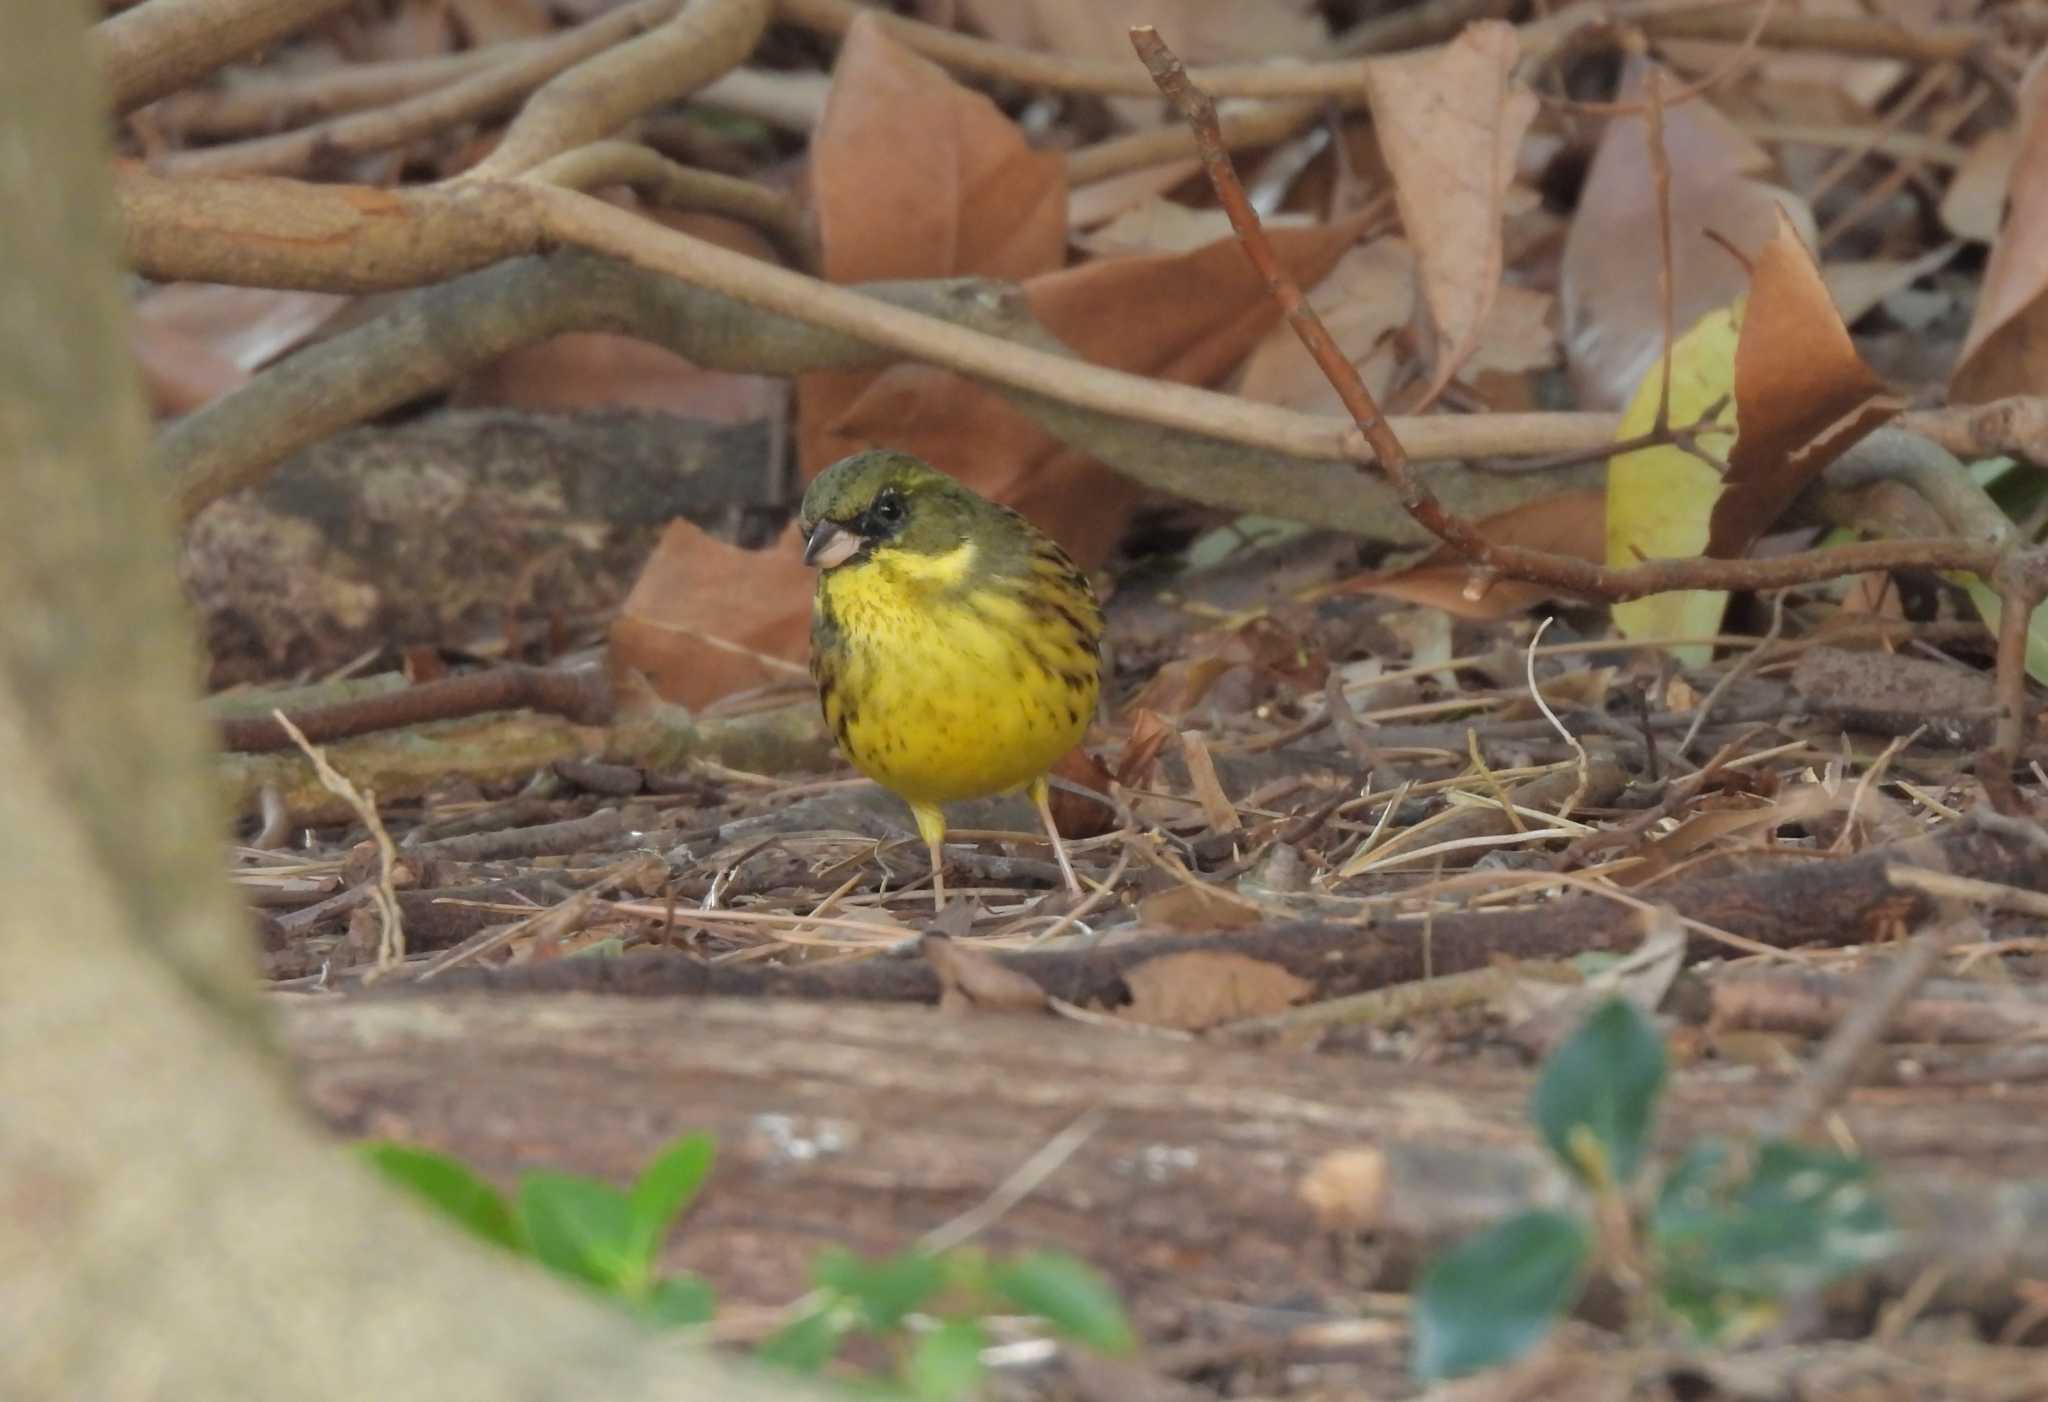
(881, 501)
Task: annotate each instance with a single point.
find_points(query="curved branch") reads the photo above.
(594, 99)
(160, 46)
(431, 338)
(279, 233)
(495, 89)
(661, 181)
(1337, 80)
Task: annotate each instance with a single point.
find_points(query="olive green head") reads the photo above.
(883, 501)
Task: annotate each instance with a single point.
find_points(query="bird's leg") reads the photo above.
(1041, 799)
(931, 825)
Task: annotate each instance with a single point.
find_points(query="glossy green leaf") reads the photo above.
(808, 1343)
(883, 1291)
(583, 1229)
(667, 1186)
(1070, 1295)
(1598, 1093)
(1729, 1245)
(450, 1186)
(679, 1300)
(1493, 1297)
(946, 1364)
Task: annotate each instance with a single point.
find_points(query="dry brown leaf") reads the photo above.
(1973, 206)
(1162, 226)
(180, 372)
(1367, 297)
(1450, 123)
(1216, 804)
(1262, 645)
(1195, 907)
(1100, 201)
(973, 980)
(1073, 815)
(1149, 733)
(914, 176)
(1614, 329)
(247, 327)
(2006, 350)
(1803, 397)
(1569, 523)
(706, 619)
(1204, 989)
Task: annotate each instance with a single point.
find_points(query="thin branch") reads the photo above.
(583, 695)
(494, 90)
(702, 41)
(661, 181)
(161, 46)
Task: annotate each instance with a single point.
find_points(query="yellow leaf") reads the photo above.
(1660, 501)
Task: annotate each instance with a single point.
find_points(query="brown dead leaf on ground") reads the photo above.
(1100, 201)
(180, 372)
(1566, 523)
(1074, 815)
(2006, 351)
(706, 619)
(1200, 990)
(914, 176)
(1270, 651)
(1450, 123)
(1803, 397)
(1196, 907)
(1364, 300)
(1613, 321)
(196, 341)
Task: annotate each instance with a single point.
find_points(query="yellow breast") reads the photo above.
(941, 687)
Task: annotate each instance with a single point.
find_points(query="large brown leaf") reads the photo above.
(1803, 397)
(1449, 124)
(2006, 351)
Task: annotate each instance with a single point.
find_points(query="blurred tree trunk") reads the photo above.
(170, 1226)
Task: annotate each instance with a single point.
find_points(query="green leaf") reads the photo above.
(946, 1364)
(808, 1343)
(1493, 1297)
(1730, 1246)
(667, 1186)
(679, 1300)
(1070, 1295)
(583, 1229)
(1599, 1091)
(449, 1185)
(884, 1291)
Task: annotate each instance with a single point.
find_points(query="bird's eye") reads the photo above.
(887, 510)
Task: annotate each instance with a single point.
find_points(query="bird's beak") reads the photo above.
(830, 545)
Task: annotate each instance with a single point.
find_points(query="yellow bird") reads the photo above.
(955, 646)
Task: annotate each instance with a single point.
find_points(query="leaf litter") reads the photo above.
(1303, 737)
